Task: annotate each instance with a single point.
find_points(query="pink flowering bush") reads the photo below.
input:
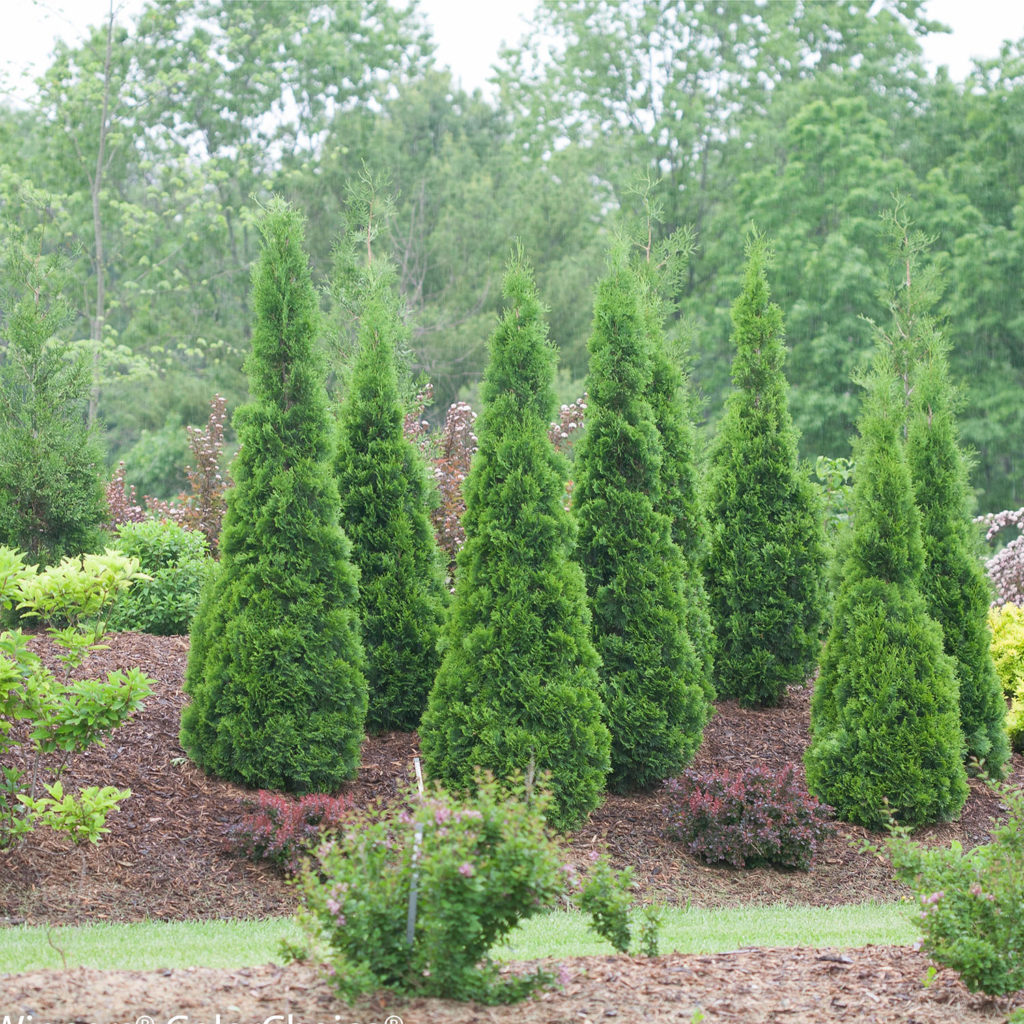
(971, 903)
(457, 875)
(747, 818)
(281, 829)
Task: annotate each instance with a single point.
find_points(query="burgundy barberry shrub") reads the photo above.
(747, 819)
(281, 830)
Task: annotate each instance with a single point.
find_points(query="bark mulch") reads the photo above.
(167, 857)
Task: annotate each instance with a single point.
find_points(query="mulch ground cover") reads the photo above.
(167, 857)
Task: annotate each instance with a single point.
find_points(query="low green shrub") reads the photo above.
(606, 896)
(970, 917)
(747, 818)
(280, 829)
(178, 562)
(1007, 623)
(459, 874)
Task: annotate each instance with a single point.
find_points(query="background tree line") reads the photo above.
(135, 162)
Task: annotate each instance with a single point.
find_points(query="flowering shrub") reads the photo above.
(281, 830)
(1007, 624)
(570, 419)
(122, 501)
(457, 875)
(1006, 566)
(970, 916)
(748, 818)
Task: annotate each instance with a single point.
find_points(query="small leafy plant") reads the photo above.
(606, 896)
(970, 903)
(412, 899)
(749, 818)
(281, 830)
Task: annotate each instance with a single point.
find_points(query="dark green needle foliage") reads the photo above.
(275, 666)
(383, 487)
(652, 680)
(885, 729)
(953, 581)
(766, 567)
(518, 688)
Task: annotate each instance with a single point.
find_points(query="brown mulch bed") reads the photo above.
(166, 858)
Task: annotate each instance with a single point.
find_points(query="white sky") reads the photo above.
(468, 32)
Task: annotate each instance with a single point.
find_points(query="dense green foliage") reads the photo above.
(885, 727)
(383, 488)
(51, 494)
(766, 560)
(1007, 624)
(653, 683)
(517, 691)
(178, 560)
(275, 664)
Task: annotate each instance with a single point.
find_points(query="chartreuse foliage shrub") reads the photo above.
(885, 725)
(178, 563)
(953, 580)
(275, 665)
(970, 903)
(63, 716)
(656, 696)
(517, 690)
(1007, 624)
(384, 492)
(476, 867)
(747, 818)
(767, 559)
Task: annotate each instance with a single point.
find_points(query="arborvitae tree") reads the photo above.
(383, 487)
(52, 501)
(766, 565)
(652, 682)
(518, 689)
(953, 582)
(275, 666)
(885, 730)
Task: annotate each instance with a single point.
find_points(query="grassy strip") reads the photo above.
(152, 945)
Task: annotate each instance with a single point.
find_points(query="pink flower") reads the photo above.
(466, 869)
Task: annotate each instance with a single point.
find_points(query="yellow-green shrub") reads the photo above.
(1007, 624)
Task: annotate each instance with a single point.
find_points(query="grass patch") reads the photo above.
(152, 945)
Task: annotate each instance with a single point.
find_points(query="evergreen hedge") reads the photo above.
(766, 566)
(518, 688)
(278, 696)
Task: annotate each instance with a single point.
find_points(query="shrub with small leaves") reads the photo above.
(1007, 625)
(282, 830)
(747, 819)
(477, 868)
(970, 903)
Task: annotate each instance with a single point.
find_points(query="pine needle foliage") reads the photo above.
(765, 573)
(275, 665)
(517, 690)
(652, 681)
(383, 487)
(885, 729)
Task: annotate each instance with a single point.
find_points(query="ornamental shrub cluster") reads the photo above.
(749, 818)
(455, 875)
(282, 829)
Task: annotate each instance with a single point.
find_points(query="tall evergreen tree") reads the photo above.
(953, 580)
(382, 483)
(766, 564)
(518, 686)
(885, 730)
(275, 665)
(656, 697)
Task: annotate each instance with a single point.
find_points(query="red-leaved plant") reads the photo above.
(749, 818)
(280, 829)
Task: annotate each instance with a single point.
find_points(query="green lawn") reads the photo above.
(156, 944)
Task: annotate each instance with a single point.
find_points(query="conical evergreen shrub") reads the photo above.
(278, 696)
(652, 681)
(953, 581)
(517, 688)
(885, 730)
(383, 487)
(765, 572)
